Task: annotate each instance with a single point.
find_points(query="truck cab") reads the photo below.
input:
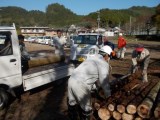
(10, 58)
(86, 45)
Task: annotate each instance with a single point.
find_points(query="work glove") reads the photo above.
(135, 68)
(144, 71)
(107, 98)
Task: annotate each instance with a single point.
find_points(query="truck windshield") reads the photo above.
(86, 39)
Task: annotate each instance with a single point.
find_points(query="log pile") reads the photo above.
(132, 100)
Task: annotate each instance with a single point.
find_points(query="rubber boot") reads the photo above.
(72, 112)
(85, 115)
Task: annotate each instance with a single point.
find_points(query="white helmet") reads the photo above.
(106, 49)
(120, 34)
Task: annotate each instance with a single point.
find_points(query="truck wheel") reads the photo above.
(4, 98)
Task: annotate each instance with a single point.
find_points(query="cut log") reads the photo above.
(144, 108)
(111, 107)
(104, 114)
(117, 115)
(157, 111)
(132, 106)
(138, 118)
(126, 116)
(43, 61)
(121, 108)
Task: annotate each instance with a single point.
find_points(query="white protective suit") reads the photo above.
(83, 79)
(142, 60)
(59, 45)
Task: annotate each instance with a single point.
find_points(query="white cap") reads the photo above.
(106, 49)
(120, 34)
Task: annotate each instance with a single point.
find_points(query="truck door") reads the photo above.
(10, 64)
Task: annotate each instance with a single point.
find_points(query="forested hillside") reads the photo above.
(57, 15)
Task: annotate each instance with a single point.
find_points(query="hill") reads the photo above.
(57, 15)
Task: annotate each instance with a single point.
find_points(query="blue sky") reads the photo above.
(80, 7)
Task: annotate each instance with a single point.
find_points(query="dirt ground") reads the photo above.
(49, 101)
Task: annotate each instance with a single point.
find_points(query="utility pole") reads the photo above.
(130, 25)
(0, 17)
(119, 25)
(98, 19)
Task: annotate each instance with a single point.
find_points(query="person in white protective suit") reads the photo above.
(83, 79)
(140, 58)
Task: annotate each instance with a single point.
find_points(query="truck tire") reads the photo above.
(4, 98)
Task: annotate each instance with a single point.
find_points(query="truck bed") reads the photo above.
(41, 75)
(44, 68)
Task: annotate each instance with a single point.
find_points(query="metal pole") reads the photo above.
(130, 25)
(98, 19)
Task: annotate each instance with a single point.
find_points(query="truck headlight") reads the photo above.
(92, 51)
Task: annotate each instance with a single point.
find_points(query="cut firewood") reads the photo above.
(117, 115)
(104, 113)
(126, 116)
(144, 108)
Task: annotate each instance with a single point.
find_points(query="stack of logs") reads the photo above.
(130, 99)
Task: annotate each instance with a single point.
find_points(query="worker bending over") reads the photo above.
(83, 79)
(141, 57)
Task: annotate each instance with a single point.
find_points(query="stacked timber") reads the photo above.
(144, 109)
(133, 101)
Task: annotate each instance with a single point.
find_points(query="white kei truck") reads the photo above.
(85, 45)
(10, 68)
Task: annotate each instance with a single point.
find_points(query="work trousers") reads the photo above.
(121, 53)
